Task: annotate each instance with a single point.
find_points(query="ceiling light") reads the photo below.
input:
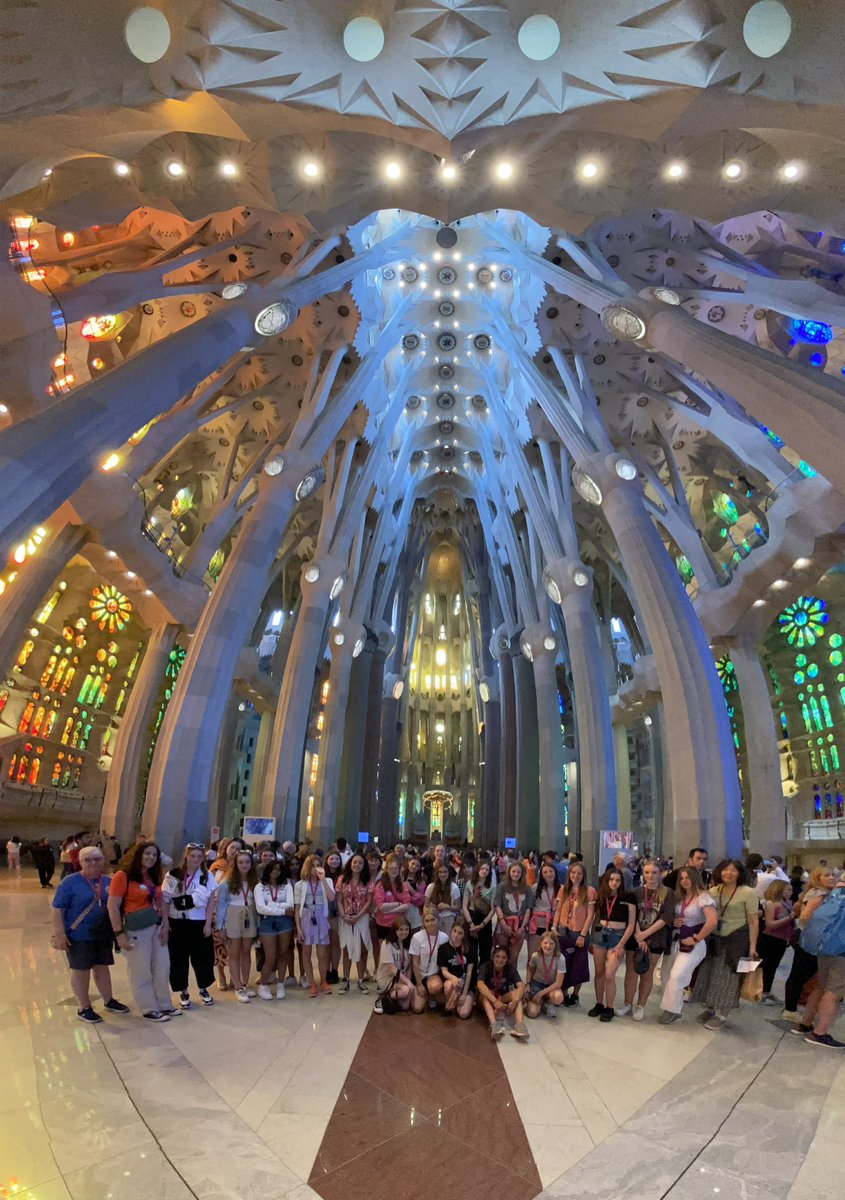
(393, 170)
(121, 168)
(779, 584)
(48, 173)
(549, 642)
(525, 647)
(147, 592)
(625, 324)
(801, 564)
(275, 465)
(358, 647)
(539, 37)
(792, 171)
(110, 462)
(625, 469)
(363, 39)
(580, 578)
(4, 408)
(147, 34)
(587, 488)
(758, 603)
(275, 318)
(339, 638)
(229, 169)
(484, 692)
(337, 587)
(311, 573)
(675, 170)
(732, 170)
(552, 589)
(449, 172)
(767, 28)
(504, 170)
(647, 721)
(398, 689)
(175, 169)
(589, 169)
(112, 554)
(311, 169)
(232, 290)
(130, 574)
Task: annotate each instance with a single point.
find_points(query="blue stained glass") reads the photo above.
(812, 331)
(817, 360)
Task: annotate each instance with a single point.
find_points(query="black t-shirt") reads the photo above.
(500, 985)
(457, 961)
(617, 911)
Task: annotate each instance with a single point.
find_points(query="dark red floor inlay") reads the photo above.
(426, 1103)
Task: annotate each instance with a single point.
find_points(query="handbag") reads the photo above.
(183, 903)
(389, 1003)
(752, 980)
(142, 919)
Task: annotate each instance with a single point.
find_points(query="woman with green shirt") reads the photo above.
(735, 937)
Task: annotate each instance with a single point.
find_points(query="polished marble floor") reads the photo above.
(301, 1098)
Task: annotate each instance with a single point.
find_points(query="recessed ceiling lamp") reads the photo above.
(121, 168)
(147, 34)
(647, 721)
(275, 465)
(758, 603)
(339, 638)
(767, 28)
(363, 39)
(110, 462)
(625, 469)
(549, 642)
(337, 587)
(801, 564)
(448, 172)
(393, 169)
(587, 488)
(675, 170)
(175, 169)
(311, 169)
(311, 573)
(504, 170)
(47, 173)
(733, 170)
(779, 584)
(791, 171)
(580, 578)
(398, 689)
(232, 290)
(358, 647)
(228, 169)
(539, 37)
(275, 318)
(589, 169)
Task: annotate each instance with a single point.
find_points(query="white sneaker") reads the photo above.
(251, 992)
(638, 1013)
(623, 1011)
(280, 992)
(264, 992)
(243, 995)
(303, 981)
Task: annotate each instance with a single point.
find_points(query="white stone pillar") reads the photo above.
(133, 737)
(551, 781)
(767, 815)
(698, 735)
(324, 829)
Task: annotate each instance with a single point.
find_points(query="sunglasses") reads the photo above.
(195, 846)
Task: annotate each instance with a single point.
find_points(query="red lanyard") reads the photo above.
(546, 967)
(685, 903)
(314, 888)
(550, 892)
(97, 891)
(498, 983)
(274, 892)
(608, 908)
(189, 880)
(461, 959)
(648, 901)
(245, 892)
(432, 946)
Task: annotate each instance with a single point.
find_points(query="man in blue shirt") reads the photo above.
(81, 927)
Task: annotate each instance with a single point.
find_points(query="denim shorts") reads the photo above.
(270, 926)
(607, 939)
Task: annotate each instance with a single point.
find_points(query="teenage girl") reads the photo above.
(394, 969)
(514, 901)
(274, 905)
(236, 915)
(545, 978)
(614, 924)
(354, 900)
(545, 905)
(313, 895)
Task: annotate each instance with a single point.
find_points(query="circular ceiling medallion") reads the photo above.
(410, 274)
(623, 322)
(482, 341)
(447, 275)
(446, 401)
(767, 28)
(389, 274)
(446, 308)
(445, 370)
(539, 37)
(446, 427)
(484, 275)
(363, 39)
(447, 341)
(413, 402)
(479, 402)
(446, 237)
(275, 318)
(506, 275)
(410, 341)
(147, 34)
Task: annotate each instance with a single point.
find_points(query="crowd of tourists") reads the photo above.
(456, 930)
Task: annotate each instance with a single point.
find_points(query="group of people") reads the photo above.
(442, 930)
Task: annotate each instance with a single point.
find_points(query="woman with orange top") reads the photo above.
(573, 920)
(136, 910)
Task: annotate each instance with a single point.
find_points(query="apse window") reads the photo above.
(767, 28)
(363, 39)
(539, 37)
(147, 34)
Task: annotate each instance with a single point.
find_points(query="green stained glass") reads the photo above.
(800, 660)
(836, 658)
(825, 761)
(835, 640)
(803, 622)
(812, 671)
(834, 758)
(798, 676)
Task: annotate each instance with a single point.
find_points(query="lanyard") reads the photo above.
(432, 946)
(550, 892)
(314, 887)
(274, 892)
(498, 983)
(462, 960)
(245, 893)
(723, 907)
(648, 901)
(97, 890)
(685, 903)
(608, 908)
(151, 888)
(189, 880)
(547, 967)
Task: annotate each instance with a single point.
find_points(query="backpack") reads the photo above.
(825, 931)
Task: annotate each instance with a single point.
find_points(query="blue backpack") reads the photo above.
(825, 932)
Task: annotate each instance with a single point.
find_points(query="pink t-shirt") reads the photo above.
(385, 895)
